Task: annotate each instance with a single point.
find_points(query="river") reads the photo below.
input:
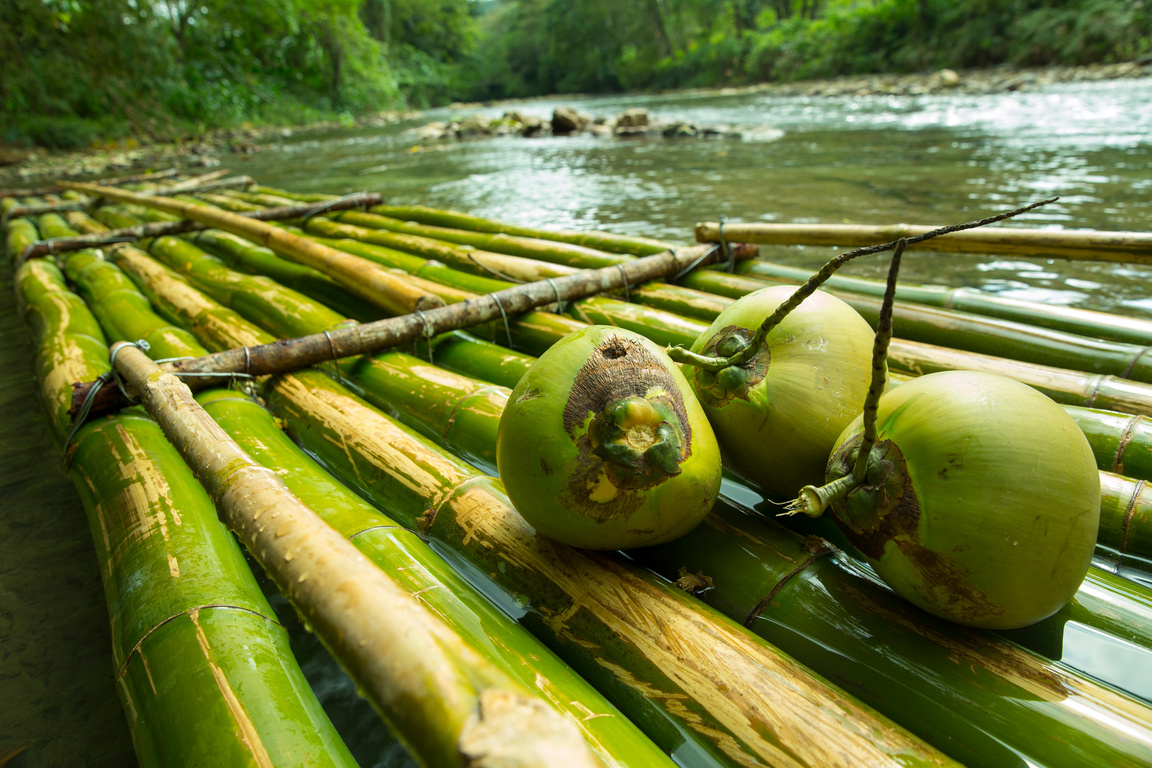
(930, 159)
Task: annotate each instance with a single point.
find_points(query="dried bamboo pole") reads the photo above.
(452, 706)
(1125, 247)
(157, 229)
(382, 334)
(387, 291)
(113, 181)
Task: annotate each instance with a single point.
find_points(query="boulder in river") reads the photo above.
(567, 120)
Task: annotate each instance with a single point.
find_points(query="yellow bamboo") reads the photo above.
(1126, 247)
(367, 280)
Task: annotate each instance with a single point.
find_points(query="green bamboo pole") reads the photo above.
(512, 245)
(450, 705)
(602, 241)
(1121, 443)
(1124, 247)
(421, 572)
(1126, 525)
(1071, 319)
(372, 284)
(203, 668)
(408, 475)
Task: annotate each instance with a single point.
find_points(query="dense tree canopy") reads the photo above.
(70, 70)
(73, 71)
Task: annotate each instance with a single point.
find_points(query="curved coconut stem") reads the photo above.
(879, 367)
(759, 339)
(813, 500)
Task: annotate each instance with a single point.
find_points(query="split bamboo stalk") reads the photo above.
(181, 597)
(1124, 247)
(370, 337)
(156, 229)
(391, 294)
(115, 180)
(1126, 525)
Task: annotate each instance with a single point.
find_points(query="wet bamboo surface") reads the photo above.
(608, 310)
(459, 413)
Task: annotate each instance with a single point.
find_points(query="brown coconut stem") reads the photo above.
(879, 366)
(758, 341)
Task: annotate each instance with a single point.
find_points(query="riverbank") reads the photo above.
(233, 147)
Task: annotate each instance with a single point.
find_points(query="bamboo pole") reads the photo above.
(1085, 322)
(181, 597)
(1124, 247)
(1062, 385)
(448, 703)
(1126, 524)
(391, 294)
(156, 229)
(370, 337)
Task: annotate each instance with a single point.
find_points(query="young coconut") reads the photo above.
(972, 495)
(778, 413)
(603, 446)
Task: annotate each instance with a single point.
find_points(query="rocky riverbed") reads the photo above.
(23, 167)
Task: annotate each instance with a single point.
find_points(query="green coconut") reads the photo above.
(603, 446)
(778, 414)
(980, 503)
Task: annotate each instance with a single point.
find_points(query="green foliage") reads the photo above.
(529, 47)
(72, 72)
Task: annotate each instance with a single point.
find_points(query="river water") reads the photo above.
(932, 159)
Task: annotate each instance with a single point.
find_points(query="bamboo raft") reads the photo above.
(360, 478)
